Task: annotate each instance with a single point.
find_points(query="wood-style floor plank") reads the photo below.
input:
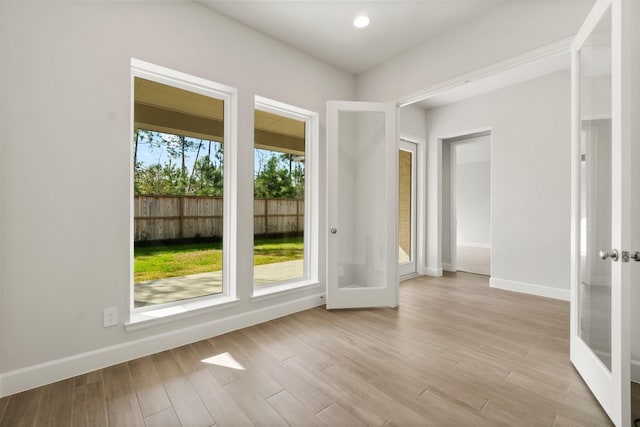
(88, 378)
(151, 394)
(165, 418)
(253, 373)
(389, 409)
(455, 353)
(22, 409)
(561, 421)
(121, 399)
(185, 400)
(293, 411)
(223, 408)
(307, 393)
(253, 404)
(354, 405)
(206, 350)
(335, 415)
(3, 405)
(274, 339)
(89, 404)
(55, 406)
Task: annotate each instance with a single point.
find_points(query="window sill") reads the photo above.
(272, 291)
(145, 319)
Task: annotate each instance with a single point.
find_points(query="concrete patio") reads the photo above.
(197, 285)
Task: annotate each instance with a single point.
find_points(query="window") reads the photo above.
(181, 138)
(283, 185)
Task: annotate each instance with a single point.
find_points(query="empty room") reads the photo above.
(342, 213)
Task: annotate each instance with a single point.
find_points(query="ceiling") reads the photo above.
(172, 110)
(324, 29)
(168, 109)
(494, 81)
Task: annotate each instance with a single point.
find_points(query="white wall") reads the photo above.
(473, 192)
(499, 34)
(530, 148)
(65, 135)
(411, 122)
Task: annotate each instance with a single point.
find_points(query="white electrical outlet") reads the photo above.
(110, 316)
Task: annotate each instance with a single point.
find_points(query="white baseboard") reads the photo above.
(475, 245)
(635, 371)
(448, 267)
(436, 272)
(530, 288)
(409, 276)
(45, 373)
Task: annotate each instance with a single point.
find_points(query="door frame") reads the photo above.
(453, 206)
(451, 139)
(431, 237)
(410, 269)
(611, 388)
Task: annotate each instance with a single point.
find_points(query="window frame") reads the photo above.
(229, 96)
(311, 197)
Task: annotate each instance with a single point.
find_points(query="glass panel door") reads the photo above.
(599, 266)
(362, 255)
(594, 290)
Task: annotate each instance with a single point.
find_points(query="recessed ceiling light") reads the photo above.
(361, 21)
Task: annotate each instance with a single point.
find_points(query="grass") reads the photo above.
(163, 261)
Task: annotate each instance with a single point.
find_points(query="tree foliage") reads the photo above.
(196, 167)
(280, 177)
(173, 176)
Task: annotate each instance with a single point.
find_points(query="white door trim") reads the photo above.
(410, 269)
(561, 47)
(459, 138)
(421, 201)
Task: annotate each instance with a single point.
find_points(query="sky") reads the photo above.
(151, 155)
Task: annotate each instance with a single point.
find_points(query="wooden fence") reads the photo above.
(187, 217)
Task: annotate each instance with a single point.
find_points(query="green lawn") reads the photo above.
(160, 262)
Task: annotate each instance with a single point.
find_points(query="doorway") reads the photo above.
(470, 202)
(407, 208)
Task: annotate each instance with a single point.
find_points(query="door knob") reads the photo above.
(613, 254)
(334, 230)
(635, 256)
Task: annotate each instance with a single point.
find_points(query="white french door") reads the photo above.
(362, 209)
(600, 269)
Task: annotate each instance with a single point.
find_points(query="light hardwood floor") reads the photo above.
(456, 353)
